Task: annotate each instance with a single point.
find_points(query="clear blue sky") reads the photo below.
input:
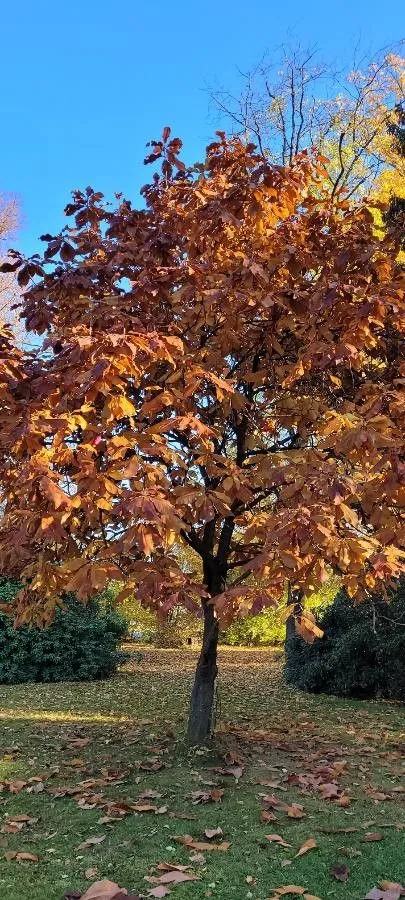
(86, 83)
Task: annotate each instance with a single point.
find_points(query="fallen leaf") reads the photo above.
(171, 867)
(309, 844)
(393, 892)
(272, 784)
(329, 791)
(154, 765)
(213, 832)
(295, 811)
(91, 841)
(174, 877)
(159, 891)
(341, 873)
(91, 872)
(105, 890)
(373, 836)
(189, 841)
(206, 796)
(150, 795)
(236, 771)
(16, 786)
(78, 743)
(21, 856)
(197, 858)
(277, 839)
(267, 816)
(295, 889)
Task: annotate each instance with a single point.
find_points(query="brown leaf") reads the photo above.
(159, 891)
(235, 771)
(16, 785)
(214, 796)
(277, 839)
(175, 877)
(309, 844)
(91, 841)
(295, 811)
(189, 841)
(78, 743)
(91, 872)
(104, 890)
(267, 816)
(389, 891)
(171, 867)
(341, 873)
(373, 836)
(21, 856)
(286, 889)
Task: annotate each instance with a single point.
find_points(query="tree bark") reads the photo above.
(202, 704)
(295, 603)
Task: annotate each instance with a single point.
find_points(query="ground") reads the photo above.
(313, 767)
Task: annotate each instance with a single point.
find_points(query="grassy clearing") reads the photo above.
(138, 719)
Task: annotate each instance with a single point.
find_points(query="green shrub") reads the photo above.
(81, 644)
(362, 653)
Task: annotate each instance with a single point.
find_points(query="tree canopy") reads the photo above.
(221, 367)
(295, 100)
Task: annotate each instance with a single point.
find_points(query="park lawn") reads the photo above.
(135, 723)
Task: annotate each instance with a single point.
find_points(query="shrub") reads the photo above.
(81, 644)
(362, 653)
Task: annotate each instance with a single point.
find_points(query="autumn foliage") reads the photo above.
(221, 367)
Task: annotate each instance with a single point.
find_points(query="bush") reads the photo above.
(362, 653)
(81, 644)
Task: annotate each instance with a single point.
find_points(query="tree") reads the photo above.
(9, 290)
(294, 102)
(221, 368)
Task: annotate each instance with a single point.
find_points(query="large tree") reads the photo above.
(293, 100)
(220, 367)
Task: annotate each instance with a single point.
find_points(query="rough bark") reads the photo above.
(294, 602)
(202, 704)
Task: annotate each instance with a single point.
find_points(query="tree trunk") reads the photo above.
(295, 603)
(202, 704)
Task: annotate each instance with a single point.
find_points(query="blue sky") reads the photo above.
(86, 83)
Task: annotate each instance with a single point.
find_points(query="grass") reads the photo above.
(139, 717)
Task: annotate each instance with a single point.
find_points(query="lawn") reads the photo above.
(77, 758)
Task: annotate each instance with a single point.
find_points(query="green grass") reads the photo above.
(141, 715)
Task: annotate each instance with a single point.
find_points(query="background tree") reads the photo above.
(390, 188)
(220, 368)
(295, 102)
(9, 288)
